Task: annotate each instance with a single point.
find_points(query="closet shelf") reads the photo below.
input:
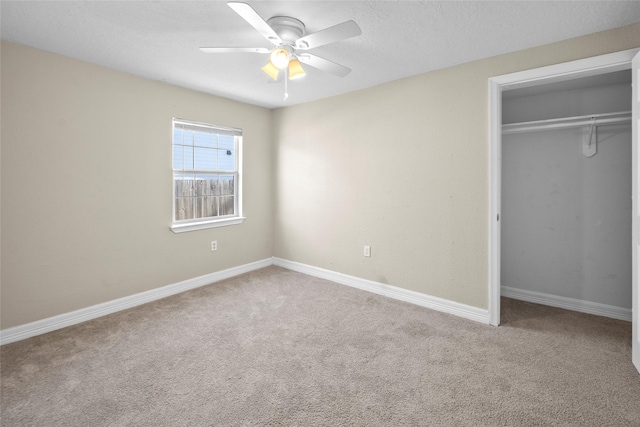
(568, 122)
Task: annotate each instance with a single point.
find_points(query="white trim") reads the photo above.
(43, 326)
(495, 199)
(635, 253)
(587, 67)
(193, 226)
(566, 71)
(568, 303)
(434, 303)
(199, 126)
(54, 323)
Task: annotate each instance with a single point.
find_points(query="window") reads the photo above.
(206, 176)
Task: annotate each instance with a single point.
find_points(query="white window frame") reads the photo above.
(180, 226)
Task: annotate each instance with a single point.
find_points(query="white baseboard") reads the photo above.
(567, 303)
(50, 324)
(434, 303)
(43, 326)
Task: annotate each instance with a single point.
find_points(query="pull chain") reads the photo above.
(286, 89)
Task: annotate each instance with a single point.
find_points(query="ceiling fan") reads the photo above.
(290, 43)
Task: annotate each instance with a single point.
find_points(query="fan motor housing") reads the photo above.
(287, 28)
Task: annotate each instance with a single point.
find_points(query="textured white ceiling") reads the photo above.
(160, 39)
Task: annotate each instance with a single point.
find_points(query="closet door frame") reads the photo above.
(555, 73)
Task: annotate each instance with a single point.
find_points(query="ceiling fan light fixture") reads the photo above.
(280, 58)
(288, 35)
(295, 70)
(271, 70)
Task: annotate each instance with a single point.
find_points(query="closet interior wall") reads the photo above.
(566, 218)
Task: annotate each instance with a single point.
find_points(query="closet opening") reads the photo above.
(563, 73)
(566, 205)
(538, 81)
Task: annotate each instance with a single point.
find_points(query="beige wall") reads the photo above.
(86, 180)
(86, 186)
(403, 167)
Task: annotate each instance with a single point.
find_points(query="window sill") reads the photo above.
(193, 226)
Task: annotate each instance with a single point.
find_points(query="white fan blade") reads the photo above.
(247, 13)
(333, 34)
(234, 49)
(324, 64)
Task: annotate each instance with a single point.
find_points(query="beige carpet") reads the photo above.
(278, 348)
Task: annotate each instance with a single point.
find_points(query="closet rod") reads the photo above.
(568, 122)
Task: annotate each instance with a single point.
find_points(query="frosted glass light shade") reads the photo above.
(295, 70)
(280, 58)
(271, 70)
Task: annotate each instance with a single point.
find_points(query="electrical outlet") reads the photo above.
(214, 245)
(367, 250)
